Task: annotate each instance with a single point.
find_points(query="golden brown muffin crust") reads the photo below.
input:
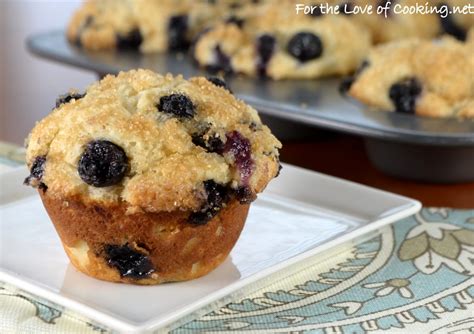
(177, 250)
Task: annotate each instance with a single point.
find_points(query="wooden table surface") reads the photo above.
(344, 156)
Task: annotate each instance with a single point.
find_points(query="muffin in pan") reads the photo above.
(168, 25)
(426, 78)
(105, 24)
(297, 47)
(148, 178)
(148, 25)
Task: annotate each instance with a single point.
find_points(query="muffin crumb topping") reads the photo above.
(154, 143)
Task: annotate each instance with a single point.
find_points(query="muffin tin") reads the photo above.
(423, 149)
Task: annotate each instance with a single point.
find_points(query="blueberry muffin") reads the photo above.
(427, 78)
(105, 24)
(148, 25)
(148, 178)
(299, 46)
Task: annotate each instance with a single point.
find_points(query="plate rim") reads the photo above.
(411, 207)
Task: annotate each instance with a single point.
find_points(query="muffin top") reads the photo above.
(298, 47)
(154, 143)
(104, 24)
(149, 25)
(427, 78)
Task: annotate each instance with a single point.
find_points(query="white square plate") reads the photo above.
(300, 214)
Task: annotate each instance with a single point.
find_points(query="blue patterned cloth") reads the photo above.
(415, 277)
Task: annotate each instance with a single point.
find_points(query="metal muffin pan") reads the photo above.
(407, 146)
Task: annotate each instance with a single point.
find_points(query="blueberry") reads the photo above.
(177, 33)
(218, 82)
(346, 8)
(382, 4)
(217, 197)
(217, 194)
(362, 67)
(213, 144)
(404, 94)
(131, 41)
(253, 126)
(265, 48)
(221, 62)
(347, 82)
(36, 172)
(43, 187)
(450, 27)
(239, 22)
(279, 169)
(244, 194)
(305, 46)
(37, 168)
(128, 262)
(199, 140)
(66, 98)
(240, 148)
(316, 11)
(102, 164)
(178, 105)
(201, 217)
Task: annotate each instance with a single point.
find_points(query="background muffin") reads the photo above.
(105, 24)
(419, 77)
(298, 47)
(265, 38)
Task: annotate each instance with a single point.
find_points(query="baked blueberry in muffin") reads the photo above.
(102, 164)
(305, 46)
(66, 98)
(149, 178)
(219, 83)
(404, 95)
(265, 46)
(36, 173)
